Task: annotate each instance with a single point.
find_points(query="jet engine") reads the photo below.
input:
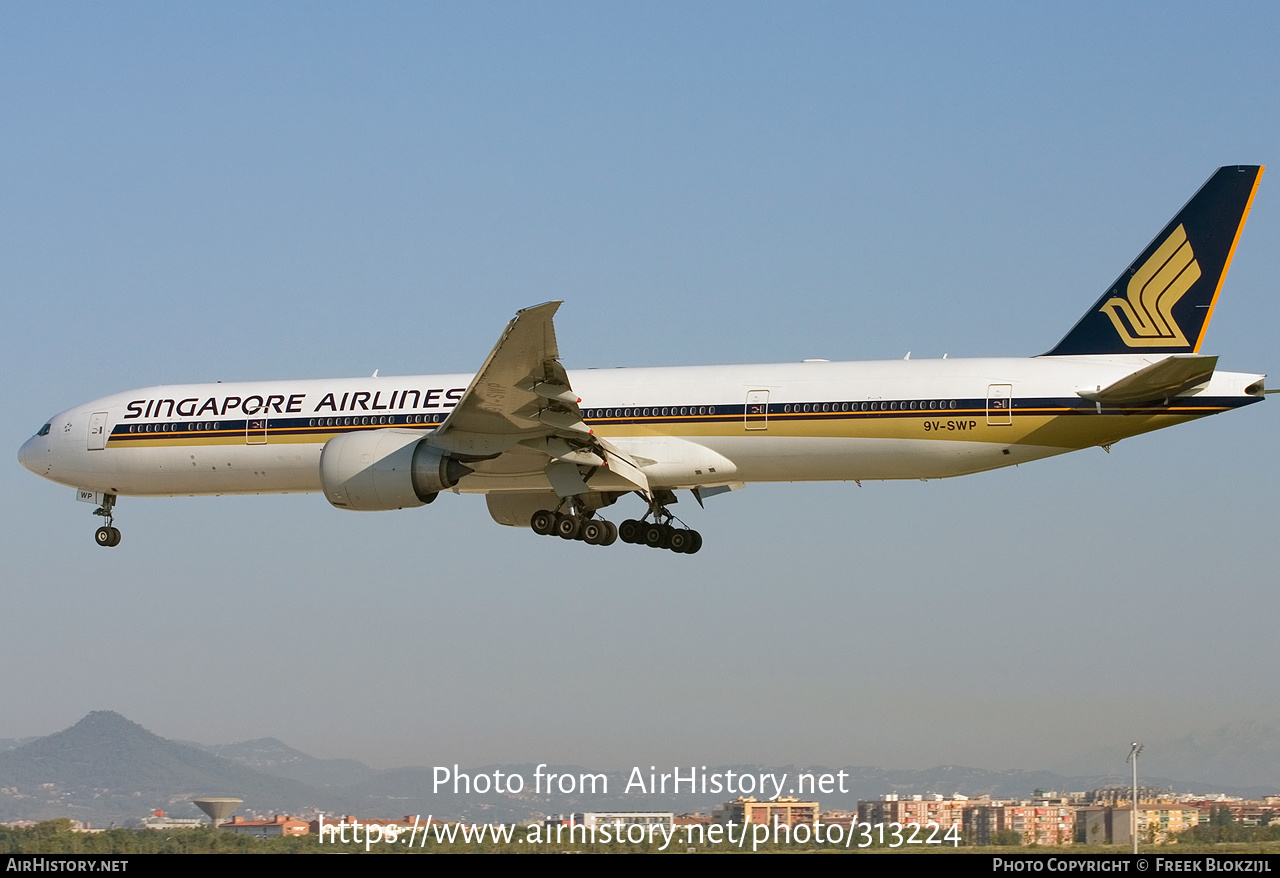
(385, 469)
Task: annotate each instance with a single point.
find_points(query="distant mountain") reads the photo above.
(1241, 754)
(106, 768)
(273, 756)
(10, 743)
(1244, 755)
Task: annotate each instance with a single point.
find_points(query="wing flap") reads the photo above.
(623, 465)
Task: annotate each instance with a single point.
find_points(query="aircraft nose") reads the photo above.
(29, 454)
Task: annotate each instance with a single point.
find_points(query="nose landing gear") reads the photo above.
(107, 535)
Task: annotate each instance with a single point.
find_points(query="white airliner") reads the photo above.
(549, 448)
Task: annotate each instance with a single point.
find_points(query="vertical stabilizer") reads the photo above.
(1164, 300)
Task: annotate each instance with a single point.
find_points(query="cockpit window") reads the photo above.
(44, 431)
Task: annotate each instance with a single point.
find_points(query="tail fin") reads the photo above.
(1163, 301)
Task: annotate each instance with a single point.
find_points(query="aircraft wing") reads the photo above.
(521, 396)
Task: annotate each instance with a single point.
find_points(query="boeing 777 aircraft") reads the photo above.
(550, 449)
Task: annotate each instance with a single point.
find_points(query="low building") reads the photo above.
(337, 828)
(920, 810)
(161, 821)
(984, 820)
(1034, 821)
(595, 819)
(1243, 811)
(787, 810)
(1158, 822)
(281, 824)
(1042, 823)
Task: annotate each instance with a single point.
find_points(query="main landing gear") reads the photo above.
(107, 535)
(659, 533)
(577, 526)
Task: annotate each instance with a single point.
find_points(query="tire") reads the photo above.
(543, 522)
(695, 544)
(567, 527)
(115, 537)
(679, 541)
(629, 531)
(103, 536)
(612, 536)
(594, 532)
(656, 535)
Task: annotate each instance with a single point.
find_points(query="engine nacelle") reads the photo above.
(385, 469)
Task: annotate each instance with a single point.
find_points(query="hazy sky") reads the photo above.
(200, 192)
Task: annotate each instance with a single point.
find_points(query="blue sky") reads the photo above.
(210, 192)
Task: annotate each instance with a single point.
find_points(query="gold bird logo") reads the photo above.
(1145, 318)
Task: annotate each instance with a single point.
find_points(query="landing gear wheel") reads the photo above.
(664, 531)
(567, 527)
(106, 535)
(695, 543)
(657, 536)
(612, 534)
(594, 532)
(543, 522)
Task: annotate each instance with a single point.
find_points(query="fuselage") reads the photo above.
(686, 426)
(550, 448)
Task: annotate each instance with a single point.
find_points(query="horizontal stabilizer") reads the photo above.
(1161, 380)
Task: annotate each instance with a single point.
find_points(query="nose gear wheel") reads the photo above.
(108, 535)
